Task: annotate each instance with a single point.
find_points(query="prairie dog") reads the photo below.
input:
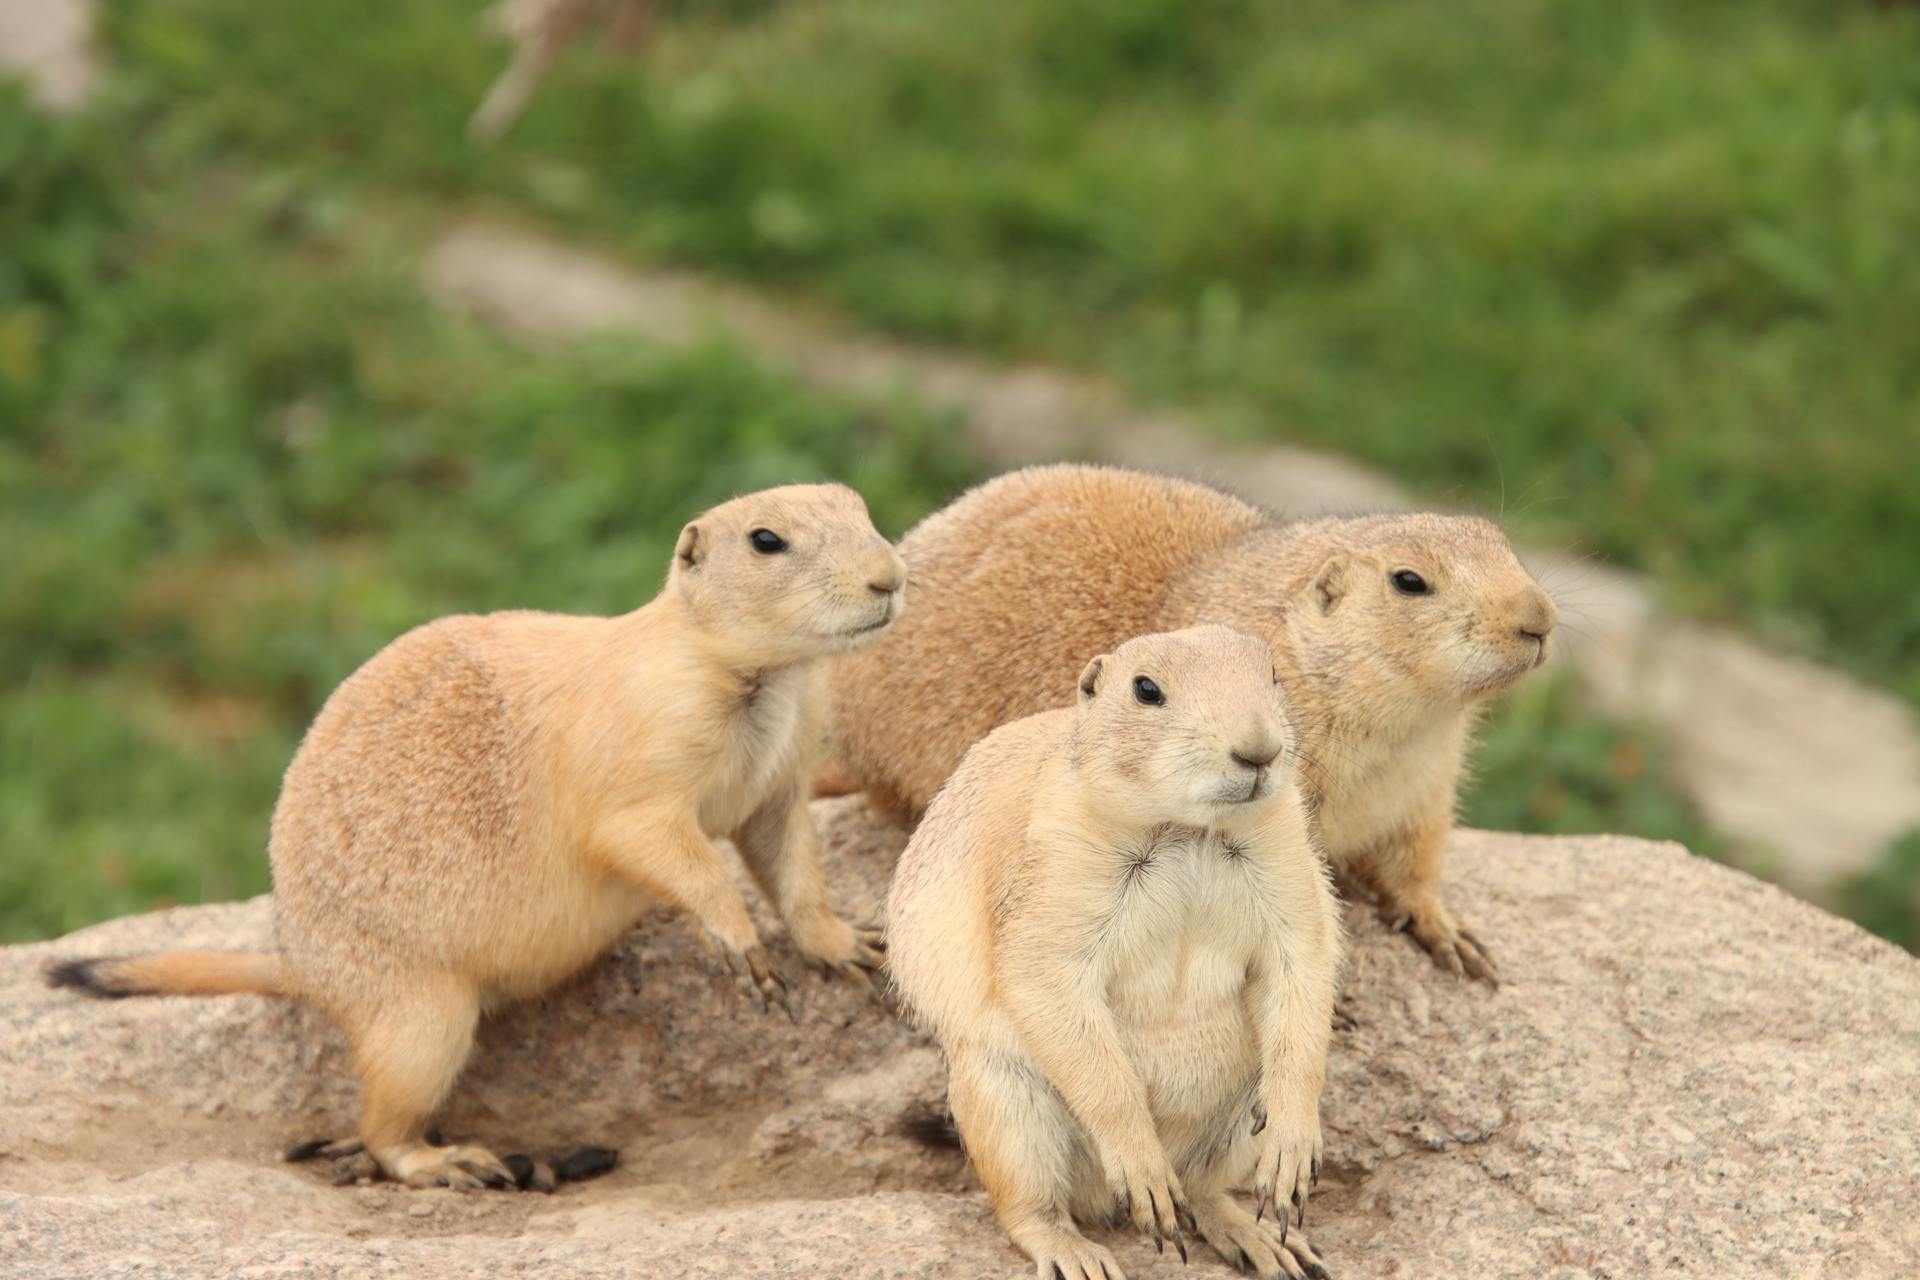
(1114, 921)
(485, 807)
(1390, 633)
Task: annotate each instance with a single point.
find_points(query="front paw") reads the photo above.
(1150, 1197)
(1452, 947)
(1288, 1165)
(855, 952)
(752, 971)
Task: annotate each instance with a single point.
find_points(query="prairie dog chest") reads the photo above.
(1182, 928)
(763, 743)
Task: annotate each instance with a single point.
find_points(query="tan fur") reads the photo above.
(484, 807)
(1020, 580)
(1119, 930)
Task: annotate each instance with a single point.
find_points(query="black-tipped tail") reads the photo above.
(932, 1127)
(92, 977)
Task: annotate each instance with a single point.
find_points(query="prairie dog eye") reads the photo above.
(1409, 583)
(767, 542)
(1147, 692)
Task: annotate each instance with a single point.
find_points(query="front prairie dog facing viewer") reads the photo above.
(1391, 633)
(485, 807)
(1114, 921)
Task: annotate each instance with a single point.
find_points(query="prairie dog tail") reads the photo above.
(831, 779)
(172, 973)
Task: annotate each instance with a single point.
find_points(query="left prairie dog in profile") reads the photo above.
(1114, 921)
(485, 807)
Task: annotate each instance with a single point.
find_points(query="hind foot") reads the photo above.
(466, 1168)
(417, 1164)
(1061, 1253)
(1264, 1248)
(1452, 946)
(854, 952)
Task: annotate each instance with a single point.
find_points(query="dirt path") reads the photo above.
(1812, 773)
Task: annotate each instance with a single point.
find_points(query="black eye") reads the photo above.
(1409, 583)
(1146, 691)
(767, 542)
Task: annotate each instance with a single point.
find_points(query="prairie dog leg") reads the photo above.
(1028, 1150)
(1403, 871)
(409, 1055)
(668, 857)
(782, 849)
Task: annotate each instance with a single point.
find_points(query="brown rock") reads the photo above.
(1688, 1073)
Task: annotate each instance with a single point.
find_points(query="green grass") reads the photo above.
(239, 452)
(1652, 265)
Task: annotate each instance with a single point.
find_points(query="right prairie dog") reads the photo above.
(1114, 921)
(1390, 631)
(485, 807)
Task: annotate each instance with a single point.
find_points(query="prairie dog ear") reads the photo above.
(691, 549)
(1090, 678)
(1331, 584)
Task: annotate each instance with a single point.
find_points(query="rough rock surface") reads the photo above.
(1687, 1072)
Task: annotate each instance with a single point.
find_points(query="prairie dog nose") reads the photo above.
(1536, 614)
(1258, 749)
(886, 573)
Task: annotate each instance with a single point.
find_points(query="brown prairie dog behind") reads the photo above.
(484, 807)
(1113, 919)
(1391, 632)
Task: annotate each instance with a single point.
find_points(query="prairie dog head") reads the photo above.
(1437, 603)
(789, 574)
(1186, 726)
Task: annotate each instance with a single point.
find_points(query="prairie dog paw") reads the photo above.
(1453, 947)
(752, 971)
(462, 1168)
(1076, 1258)
(1151, 1199)
(855, 952)
(1288, 1164)
(1266, 1249)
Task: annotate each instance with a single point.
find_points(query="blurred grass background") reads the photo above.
(1648, 269)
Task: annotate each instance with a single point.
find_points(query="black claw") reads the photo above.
(1259, 1119)
(1180, 1243)
(1259, 1205)
(1313, 1173)
(587, 1162)
(306, 1150)
(490, 1177)
(1315, 1270)
(521, 1167)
